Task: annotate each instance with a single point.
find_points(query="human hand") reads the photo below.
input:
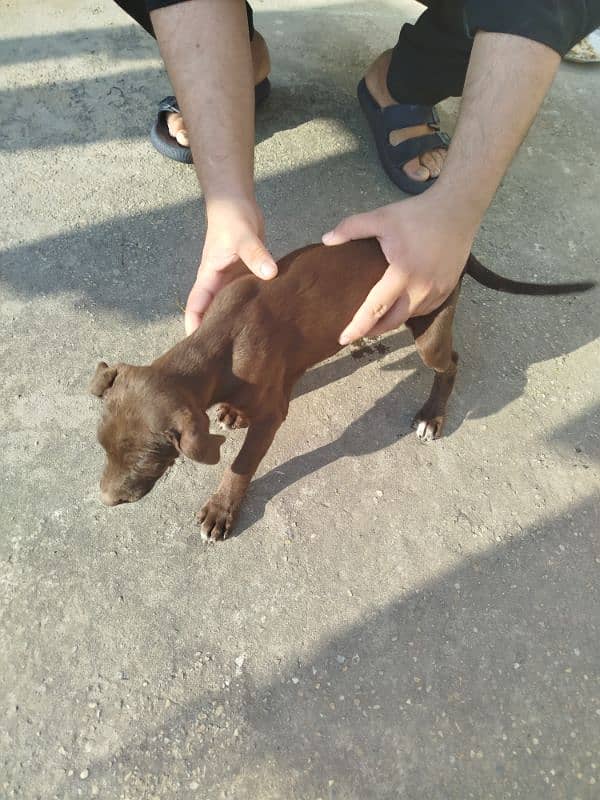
(235, 232)
(426, 247)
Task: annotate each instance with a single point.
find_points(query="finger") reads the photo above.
(194, 313)
(358, 226)
(201, 296)
(257, 258)
(382, 297)
(396, 316)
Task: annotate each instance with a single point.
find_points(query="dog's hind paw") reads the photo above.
(230, 418)
(216, 518)
(428, 429)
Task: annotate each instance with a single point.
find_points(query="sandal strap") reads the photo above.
(405, 151)
(406, 116)
(169, 104)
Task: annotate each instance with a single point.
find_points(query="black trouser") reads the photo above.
(429, 61)
(138, 10)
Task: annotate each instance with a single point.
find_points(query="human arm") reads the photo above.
(206, 49)
(426, 239)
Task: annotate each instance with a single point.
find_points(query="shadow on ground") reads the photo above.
(482, 684)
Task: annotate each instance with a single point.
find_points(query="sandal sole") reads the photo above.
(170, 148)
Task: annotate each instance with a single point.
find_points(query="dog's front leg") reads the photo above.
(217, 516)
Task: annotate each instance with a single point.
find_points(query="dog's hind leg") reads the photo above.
(433, 339)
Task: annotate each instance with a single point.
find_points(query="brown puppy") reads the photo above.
(256, 340)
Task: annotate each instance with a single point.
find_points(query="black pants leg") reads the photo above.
(429, 62)
(138, 10)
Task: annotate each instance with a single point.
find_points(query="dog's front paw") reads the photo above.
(216, 518)
(428, 429)
(230, 418)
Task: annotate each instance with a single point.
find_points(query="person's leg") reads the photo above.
(430, 59)
(139, 11)
(428, 64)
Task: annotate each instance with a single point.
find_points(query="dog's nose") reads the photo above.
(109, 499)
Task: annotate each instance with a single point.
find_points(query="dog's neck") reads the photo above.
(200, 368)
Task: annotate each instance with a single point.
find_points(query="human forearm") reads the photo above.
(427, 238)
(206, 49)
(507, 80)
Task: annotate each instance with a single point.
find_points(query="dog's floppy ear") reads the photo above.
(191, 438)
(103, 379)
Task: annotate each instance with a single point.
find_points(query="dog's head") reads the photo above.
(144, 427)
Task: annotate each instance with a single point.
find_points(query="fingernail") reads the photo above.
(267, 270)
(423, 172)
(327, 237)
(345, 338)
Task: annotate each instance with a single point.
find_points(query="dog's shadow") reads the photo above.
(387, 421)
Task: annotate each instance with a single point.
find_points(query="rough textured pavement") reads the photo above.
(396, 620)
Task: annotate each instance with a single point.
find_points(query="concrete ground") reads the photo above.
(396, 620)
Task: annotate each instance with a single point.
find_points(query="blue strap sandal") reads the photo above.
(383, 121)
(167, 145)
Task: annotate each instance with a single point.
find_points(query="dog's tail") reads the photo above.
(487, 278)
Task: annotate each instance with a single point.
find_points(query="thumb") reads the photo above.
(257, 258)
(358, 226)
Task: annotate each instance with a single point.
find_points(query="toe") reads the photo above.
(177, 130)
(416, 170)
(440, 157)
(428, 429)
(430, 162)
(174, 122)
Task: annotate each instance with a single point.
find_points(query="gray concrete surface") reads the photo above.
(396, 620)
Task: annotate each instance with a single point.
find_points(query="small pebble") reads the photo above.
(84, 774)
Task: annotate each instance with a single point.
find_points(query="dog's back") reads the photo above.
(316, 294)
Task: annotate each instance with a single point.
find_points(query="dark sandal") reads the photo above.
(383, 121)
(167, 145)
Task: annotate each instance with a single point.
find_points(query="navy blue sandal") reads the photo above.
(383, 121)
(167, 145)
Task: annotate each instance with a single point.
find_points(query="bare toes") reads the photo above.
(176, 127)
(174, 122)
(429, 161)
(440, 157)
(416, 170)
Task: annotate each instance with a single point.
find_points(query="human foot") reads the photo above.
(261, 63)
(423, 167)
